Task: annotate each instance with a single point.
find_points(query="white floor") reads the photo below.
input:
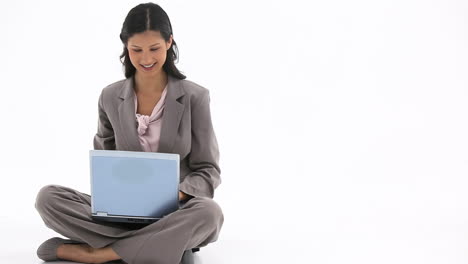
(333, 223)
(227, 249)
(223, 251)
(367, 243)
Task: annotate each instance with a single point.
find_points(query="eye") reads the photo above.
(140, 50)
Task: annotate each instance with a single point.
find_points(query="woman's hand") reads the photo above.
(183, 196)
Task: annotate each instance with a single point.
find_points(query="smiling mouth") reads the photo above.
(148, 68)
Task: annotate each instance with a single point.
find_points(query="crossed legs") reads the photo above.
(68, 212)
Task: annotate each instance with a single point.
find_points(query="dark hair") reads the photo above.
(143, 17)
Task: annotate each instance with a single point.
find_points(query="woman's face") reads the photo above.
(148, 49)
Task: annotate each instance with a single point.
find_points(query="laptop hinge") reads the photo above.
(101, 213)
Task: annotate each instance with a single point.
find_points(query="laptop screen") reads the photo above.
(133, 183)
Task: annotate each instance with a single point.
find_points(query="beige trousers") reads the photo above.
(196, 224)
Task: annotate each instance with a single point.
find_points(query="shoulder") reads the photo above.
(114, 88)
(109, 97)
(194, 91)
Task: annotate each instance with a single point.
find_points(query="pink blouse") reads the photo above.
(149, 127)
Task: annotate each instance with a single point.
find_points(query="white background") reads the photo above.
(342, 125)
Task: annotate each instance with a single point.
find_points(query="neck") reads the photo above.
(150, 84)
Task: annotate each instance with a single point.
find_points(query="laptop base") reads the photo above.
(121, 219)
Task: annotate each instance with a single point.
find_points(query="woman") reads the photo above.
(153, 109)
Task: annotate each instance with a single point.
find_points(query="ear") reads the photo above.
(169, 43)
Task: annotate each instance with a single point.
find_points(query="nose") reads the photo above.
(146, 58)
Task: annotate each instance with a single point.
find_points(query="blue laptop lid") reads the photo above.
(140, 184)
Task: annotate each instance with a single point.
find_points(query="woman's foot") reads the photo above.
(76, 252)
(86, 254)
(47, 251)
(65, 249)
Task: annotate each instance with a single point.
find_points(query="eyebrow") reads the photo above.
(150, 46)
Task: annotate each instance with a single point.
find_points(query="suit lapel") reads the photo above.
(128, 122)
(172, 116)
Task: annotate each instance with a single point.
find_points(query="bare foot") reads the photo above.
(105, 254)
(76, 252)
(86, 254)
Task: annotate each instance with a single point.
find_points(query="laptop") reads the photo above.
(133, 187)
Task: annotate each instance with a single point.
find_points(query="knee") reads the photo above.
(44, 197)
(209, 212)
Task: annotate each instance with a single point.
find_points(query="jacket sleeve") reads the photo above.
(104, 138)
(204, 155)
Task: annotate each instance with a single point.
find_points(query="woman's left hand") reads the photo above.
(183, 196)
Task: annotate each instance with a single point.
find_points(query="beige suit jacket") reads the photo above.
(186, 129)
